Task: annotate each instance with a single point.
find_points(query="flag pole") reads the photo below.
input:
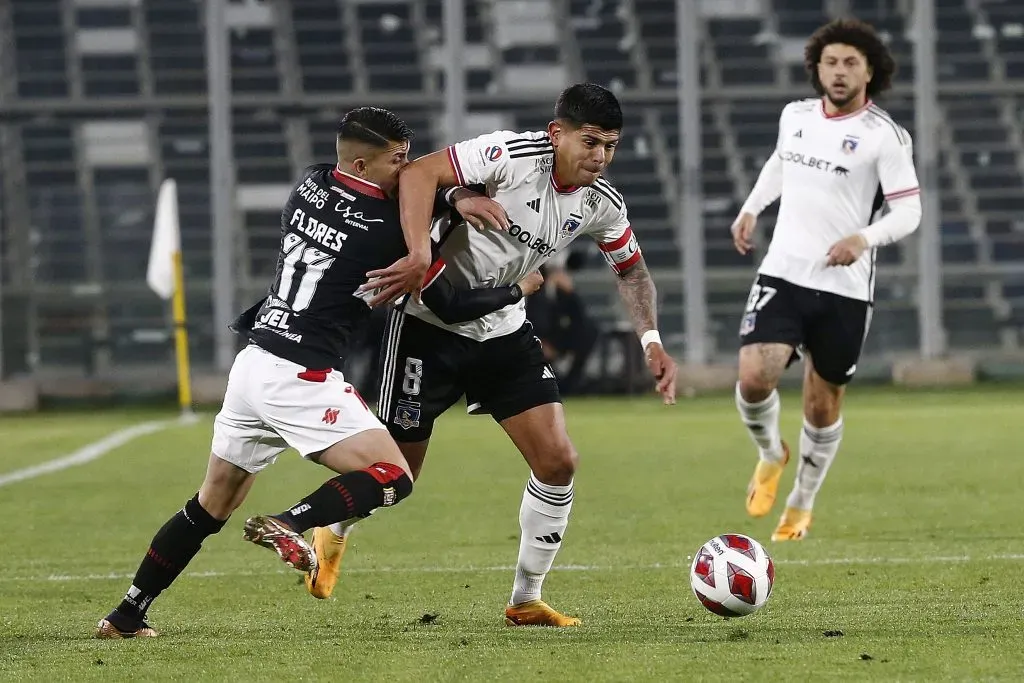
(166, 277)
(181, 337)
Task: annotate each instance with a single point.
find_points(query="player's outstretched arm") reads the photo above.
(417, 187)
(453, 305)
(638, 294)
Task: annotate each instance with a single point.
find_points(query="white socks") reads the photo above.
(343, 529)
(543, 517)
(818, 448)
(762, 420)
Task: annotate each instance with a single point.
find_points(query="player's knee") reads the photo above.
(821, 407)
(559, 463)
(754, 387)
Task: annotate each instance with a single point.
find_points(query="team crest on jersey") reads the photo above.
(492, 153)
(571, 224)
(850, 143)
(407, 414)
(747, 326)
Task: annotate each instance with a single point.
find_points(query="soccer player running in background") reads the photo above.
(838, 159)
(551, 186)
(286, 389)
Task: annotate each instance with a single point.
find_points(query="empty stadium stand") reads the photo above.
(102, 99)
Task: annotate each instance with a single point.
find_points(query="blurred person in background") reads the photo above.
(839, 159)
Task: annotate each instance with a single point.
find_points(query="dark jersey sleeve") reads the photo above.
(244, 323)
(457, 305)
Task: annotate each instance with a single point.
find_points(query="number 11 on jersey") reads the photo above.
(301, 270)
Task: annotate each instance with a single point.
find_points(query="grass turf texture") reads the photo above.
(912, 570)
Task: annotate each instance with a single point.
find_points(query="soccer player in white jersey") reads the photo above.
(839, 158)
(551, 186)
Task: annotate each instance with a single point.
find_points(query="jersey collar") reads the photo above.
(358, 184)
(840, 117)
(562, 189)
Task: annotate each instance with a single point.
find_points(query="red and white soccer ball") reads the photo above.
(732, 575)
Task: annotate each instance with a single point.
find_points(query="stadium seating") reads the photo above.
(139, 70)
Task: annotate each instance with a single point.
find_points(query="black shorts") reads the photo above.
(830, 327)
(426, 369)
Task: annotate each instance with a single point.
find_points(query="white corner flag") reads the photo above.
(160, 274)
(165, 276)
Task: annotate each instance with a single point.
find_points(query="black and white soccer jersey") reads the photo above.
(516, 170)
(834, 173)
(335, 228)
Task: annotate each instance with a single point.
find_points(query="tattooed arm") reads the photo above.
(638, 294)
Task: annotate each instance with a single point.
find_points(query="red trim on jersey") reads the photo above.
(433, 273)
(352, 390)
(453, 159)
(618, 243)
(900, 194)
(562, 189)
(358, 184)
(840, 117)
(627, 264)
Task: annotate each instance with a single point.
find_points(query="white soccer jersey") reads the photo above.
(516, 169)
(835, 171)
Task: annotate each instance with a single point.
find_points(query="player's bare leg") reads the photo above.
(540, 435)
(372, 474)
(174, 546)
(330, 542)
(757, 399)
(819, 442)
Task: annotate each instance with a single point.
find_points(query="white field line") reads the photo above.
(88, 453)
(822, 562)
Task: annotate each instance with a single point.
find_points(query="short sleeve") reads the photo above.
(483, 159)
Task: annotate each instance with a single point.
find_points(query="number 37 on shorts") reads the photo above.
(759, 297)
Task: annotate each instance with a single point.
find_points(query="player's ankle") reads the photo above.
(522, 598)
(126, 620)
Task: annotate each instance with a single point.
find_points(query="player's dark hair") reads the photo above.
(860, 35)
(374, 126)
(588, 103)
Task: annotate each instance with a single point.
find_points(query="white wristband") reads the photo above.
(650, 337)
(448, 195)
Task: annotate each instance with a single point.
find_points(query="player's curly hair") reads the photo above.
(857, 34)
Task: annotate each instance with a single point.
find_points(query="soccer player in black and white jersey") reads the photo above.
(839, 159)
(286, 387)
(551, 186)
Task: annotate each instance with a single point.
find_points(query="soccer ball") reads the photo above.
(732, 575)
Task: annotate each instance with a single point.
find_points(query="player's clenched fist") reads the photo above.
(531, 283)
(846, 251)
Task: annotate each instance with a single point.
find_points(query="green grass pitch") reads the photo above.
(914, 569)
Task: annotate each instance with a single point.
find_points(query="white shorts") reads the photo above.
(268, 407)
